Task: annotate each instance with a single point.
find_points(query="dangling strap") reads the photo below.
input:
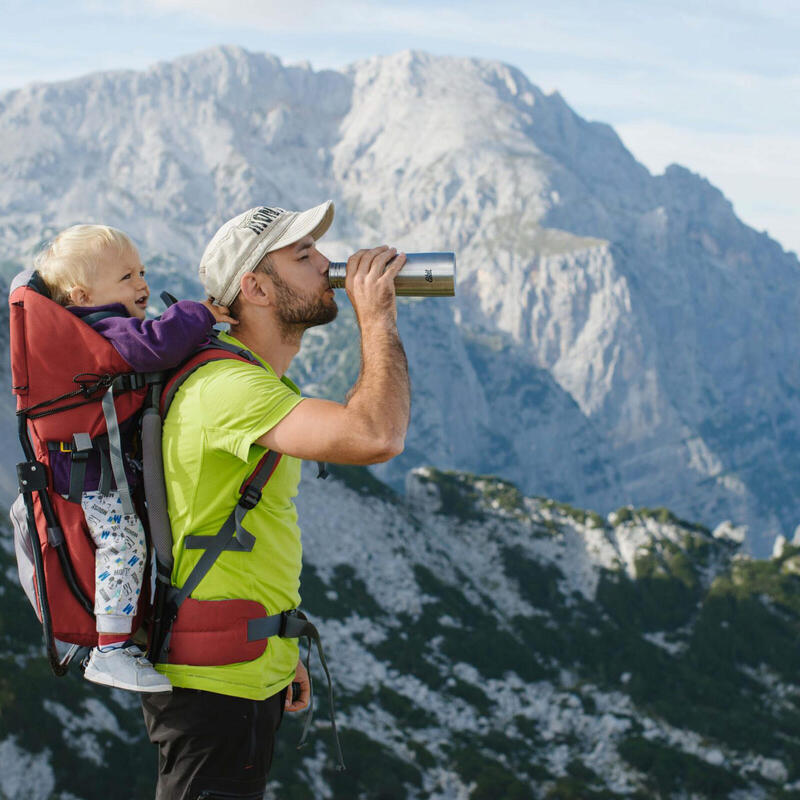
(115, 452)
(295, 625)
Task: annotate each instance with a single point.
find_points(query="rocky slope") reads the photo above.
(630, 316)
(483, 644)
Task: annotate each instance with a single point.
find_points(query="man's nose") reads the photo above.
(324, 261)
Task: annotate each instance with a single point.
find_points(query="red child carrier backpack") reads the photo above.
(73, 389)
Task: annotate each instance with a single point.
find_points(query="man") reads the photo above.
(216, 729)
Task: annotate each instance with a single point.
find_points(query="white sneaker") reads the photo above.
(125, 668)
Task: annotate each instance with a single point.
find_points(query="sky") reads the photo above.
(714, 85)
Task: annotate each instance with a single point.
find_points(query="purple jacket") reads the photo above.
(147, 345)
(152, 344)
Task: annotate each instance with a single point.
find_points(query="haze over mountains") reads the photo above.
(616, 337)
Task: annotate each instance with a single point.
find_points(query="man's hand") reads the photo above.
(221, 313)
(301, 677)
(370, 282)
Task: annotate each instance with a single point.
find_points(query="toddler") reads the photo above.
(90, 269)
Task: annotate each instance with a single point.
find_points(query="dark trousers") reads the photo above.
(212, 746)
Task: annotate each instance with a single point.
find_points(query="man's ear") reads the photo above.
(78, 296)
(256, 288)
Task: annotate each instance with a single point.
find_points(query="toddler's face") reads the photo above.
(120, 280)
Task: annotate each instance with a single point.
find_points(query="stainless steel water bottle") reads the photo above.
(423, 275)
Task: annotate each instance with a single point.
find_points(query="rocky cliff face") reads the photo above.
(617, 337)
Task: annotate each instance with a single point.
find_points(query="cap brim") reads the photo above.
(314, 222)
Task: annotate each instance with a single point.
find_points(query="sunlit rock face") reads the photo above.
(616, 337)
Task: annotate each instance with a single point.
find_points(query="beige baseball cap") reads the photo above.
(238, 246)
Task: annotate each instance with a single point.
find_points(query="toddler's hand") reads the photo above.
(221, 313)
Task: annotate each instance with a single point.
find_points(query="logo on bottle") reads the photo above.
(429, 275)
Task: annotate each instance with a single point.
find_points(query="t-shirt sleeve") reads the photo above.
(242, 402)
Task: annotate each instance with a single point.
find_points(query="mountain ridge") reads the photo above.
(644, 299)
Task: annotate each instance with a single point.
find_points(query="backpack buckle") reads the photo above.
(250, 497)
(129, 382)
(284, 619)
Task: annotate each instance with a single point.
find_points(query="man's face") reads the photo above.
(303, 295)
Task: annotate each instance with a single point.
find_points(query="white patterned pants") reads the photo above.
(118, 563)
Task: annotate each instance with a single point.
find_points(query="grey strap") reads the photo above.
(242, 542)
(216, 546)
(263, 627)
(115, 452)
(295, 625)
(82, 441)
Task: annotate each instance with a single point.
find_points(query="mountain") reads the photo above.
(632, 317)
(483, 644)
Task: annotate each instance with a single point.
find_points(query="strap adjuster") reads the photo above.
(128, 381)
(250, 498)
(284, 617)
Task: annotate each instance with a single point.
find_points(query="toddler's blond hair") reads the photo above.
(72, 258)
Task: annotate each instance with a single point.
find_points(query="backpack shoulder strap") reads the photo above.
(97, 316)
(232, 529)
(215, 350)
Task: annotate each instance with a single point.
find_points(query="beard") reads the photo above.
(297, 312)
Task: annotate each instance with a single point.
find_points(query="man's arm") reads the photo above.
(370, 426)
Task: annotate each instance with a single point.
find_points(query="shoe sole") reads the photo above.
(104, 679)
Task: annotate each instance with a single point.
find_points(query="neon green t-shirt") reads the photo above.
(209, 450)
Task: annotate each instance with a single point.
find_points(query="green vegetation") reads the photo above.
(505, 494)
(361, 480)
(538, 583)
(479, 641)
(407, 713)
(591, 518)
(668, 770)
(345, 595)
(492, 778)
(570, 788)
(24, 716)
(457, 492)
(469, 497)
(661, 515)
(373, 771)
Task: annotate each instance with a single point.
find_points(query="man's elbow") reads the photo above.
(387, 450)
